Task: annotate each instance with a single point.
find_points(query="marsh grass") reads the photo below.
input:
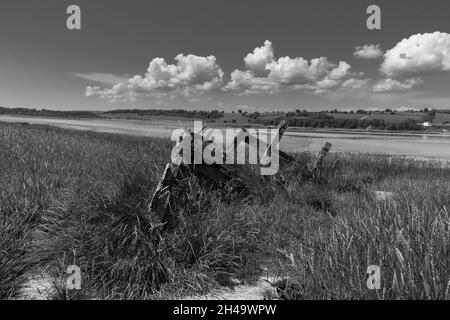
(72, 197)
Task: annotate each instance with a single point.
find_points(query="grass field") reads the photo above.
(70, 197)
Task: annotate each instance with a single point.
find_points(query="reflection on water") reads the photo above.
(424, 145)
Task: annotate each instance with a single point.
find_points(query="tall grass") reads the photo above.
(70, 197)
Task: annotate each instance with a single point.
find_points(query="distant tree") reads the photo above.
(254, 115)
(290, 114)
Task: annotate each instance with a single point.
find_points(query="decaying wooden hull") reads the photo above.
(216, 174)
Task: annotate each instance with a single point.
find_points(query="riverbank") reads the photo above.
(430, 146)
(80, 197)
(174, 121)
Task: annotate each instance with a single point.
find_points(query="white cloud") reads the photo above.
(292, 71)
(260, 57)
(406, 109)
(285, 73)
(334, 78)
(340, 72)
(368, 51)
(245, 83)
(420, 54)
(190, 76)
(353, 83)
(105, 78)
(395, 85)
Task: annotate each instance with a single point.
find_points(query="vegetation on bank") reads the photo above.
(386, 120)
(199, 114)
(361, 119)
(202, 114)
(326, 121)
(48, 113)
(74, 197)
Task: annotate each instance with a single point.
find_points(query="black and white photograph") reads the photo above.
(250, 153)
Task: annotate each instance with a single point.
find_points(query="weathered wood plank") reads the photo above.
(319, 162)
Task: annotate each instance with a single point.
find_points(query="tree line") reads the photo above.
(48, 113)
(214, 114)
(326, 121)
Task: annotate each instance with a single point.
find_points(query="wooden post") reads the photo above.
(318, 164)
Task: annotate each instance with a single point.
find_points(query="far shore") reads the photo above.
(176, 122)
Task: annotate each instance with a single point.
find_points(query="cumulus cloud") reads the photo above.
(389, 84)
(420, 54)
(245, 82)
(190, 76)
(360, 84)
(383, 85)
(334, 78)
(298, 71)
(267, 74)
(261, 56)
(368, 51)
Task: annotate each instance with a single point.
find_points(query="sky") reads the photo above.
(257, 55)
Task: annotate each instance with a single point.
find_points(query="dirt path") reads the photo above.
(38, 287)
(240, 292)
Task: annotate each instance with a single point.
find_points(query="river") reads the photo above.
(412, 145)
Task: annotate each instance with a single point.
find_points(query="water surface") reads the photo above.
(412, 145)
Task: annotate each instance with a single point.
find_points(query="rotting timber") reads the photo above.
(218, 174)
